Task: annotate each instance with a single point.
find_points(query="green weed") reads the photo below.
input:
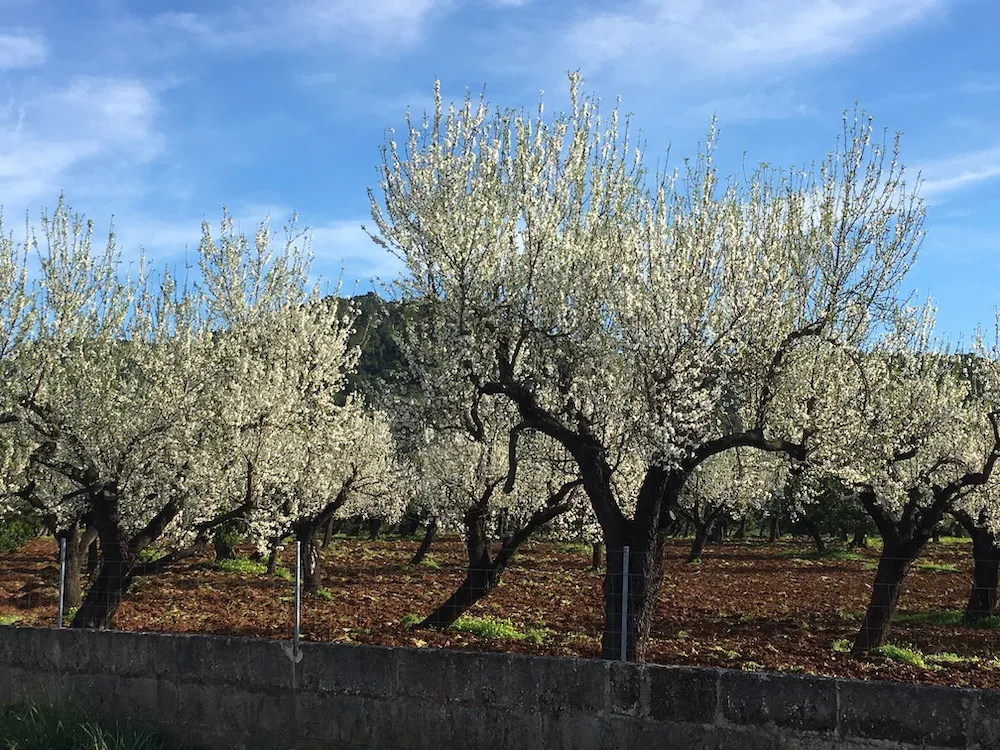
(26, 726)
(412, 620)
(488, 627)
(902, 655)
(933, 567)
(241, 565)
(948, 618)
(835, 553)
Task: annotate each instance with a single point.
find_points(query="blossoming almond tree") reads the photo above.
(979, 514)
(616, 307)
(143, 405)
(921, 439)
(729, 483)
(296, 451)
(471, 479)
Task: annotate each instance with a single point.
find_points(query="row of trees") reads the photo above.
(581, 346)
(651, 324)
(143, 413)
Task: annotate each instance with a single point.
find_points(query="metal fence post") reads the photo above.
(624, 639)
(62, 582)
(292, 650)
(298, 594)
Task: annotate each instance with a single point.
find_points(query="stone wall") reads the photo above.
(246, 693)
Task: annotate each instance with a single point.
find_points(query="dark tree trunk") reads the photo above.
(645, 577)
(272, 558)
(986, 568)
(772, 535)
(312, 565)
(717, 534)
(118, 557)
(860, 538)
(328, 533)
(374, 528)
(93, 556)
(902, 542)
(893, 565)
(986, 571)
(114, 578)
(477, 584)
(425, 545)
(596, 553)
(307, 536)
(701, 533)
(224, 550)
(741, 530)
(114, 575)
(409, 524)
(484, 571)
(813, 530)
(73, 588)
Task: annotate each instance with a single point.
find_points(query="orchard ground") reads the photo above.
(745, 605)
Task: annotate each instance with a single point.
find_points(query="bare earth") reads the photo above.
(745, 606)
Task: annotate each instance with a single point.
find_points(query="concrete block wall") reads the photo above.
(245, 693)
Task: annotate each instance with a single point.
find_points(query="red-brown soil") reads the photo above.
(745, 606)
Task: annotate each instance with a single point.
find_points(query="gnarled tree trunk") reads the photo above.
(902, 542)
(483, 572)
(986, 568)
(425, 545)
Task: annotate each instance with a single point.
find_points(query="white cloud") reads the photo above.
(959, 172)
(363, 260)
(751, 106)
(44, 138)
(716, 37)
(22, 51)
(301, 24)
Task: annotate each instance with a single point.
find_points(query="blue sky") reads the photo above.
(159, 112)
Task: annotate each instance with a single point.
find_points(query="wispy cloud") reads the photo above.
(45, 137)
(958, 172)
(713, 37)
(22, 50)
(300, 25)
(752, 106)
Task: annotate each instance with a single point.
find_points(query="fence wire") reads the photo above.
(743, 605)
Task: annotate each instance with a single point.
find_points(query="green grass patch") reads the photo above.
(241, 565)
(489, 627)
(8, 619)
(902, 655)
(842, 646)
(430, 563)
(325, 595)
(834, 553)
(411, 620)
(248, 566)
(933, 567)
(948, 618)
(26, 726)
(573, 548)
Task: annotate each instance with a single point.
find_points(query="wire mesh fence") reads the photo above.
(746, 605)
